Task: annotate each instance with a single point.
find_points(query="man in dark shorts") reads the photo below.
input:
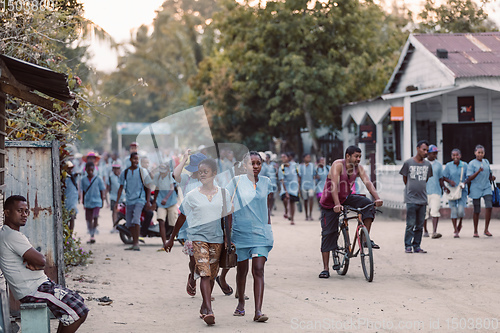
(337, 192)
(23, 266)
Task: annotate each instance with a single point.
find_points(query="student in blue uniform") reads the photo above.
(252, 234)
(479, 176)
(93, 198)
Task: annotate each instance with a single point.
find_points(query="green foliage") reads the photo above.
(46, 37)
(152, 80)
(455, 16)
(74, 255)
(287, 65)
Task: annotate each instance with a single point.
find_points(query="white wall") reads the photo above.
(424, 73)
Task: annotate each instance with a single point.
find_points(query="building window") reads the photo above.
(466, 110)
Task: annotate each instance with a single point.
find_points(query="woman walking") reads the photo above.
(202, 208)
(479, 177)
(454, 174)
(252, 234)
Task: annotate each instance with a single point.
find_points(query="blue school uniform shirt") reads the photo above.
(165, 185)
(453, 171)
(269, 170)
(433, 185)
(71, 193)
(307, 173)
(289, 175)
(481, 185)
(92, 191)
(114, 184)
(134, 185)
(323, 174)
(251, 226)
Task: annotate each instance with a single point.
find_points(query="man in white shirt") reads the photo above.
(23, 266)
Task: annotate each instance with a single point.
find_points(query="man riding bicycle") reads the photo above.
(338, 192)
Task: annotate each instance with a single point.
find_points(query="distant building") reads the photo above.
(445, 88)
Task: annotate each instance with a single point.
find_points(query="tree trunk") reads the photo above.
(312, 131)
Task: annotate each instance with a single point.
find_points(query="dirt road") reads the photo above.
(452, 287)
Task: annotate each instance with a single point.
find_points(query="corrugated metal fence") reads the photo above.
(32, 170)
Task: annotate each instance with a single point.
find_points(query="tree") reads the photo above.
(290, 65)
(152, 80)
(455, 16)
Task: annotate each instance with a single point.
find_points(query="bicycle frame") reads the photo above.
(345, 223)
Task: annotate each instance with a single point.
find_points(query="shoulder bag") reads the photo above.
(456, 191)
(228, 257)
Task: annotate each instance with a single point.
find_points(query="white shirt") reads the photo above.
(22, 281)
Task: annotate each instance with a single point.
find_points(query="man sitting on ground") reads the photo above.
(23, 266)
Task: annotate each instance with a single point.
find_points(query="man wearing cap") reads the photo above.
(165, 198)
(71, 194)
(435, 186)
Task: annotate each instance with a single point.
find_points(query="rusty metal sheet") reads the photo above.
(29, 172)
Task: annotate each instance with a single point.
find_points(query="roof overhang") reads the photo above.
(22, 79)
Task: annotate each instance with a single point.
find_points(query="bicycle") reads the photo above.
(345, 251)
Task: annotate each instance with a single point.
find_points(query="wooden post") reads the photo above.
(58, 222)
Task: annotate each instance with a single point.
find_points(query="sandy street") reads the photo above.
(453, 287)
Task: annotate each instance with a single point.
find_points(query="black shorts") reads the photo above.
(330, 220)
(293, 198)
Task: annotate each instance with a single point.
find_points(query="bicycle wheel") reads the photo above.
(341, 254)
(366, 253)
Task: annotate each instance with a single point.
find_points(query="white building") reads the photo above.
(445, 89)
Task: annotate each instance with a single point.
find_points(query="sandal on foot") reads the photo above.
(227, 293)
(487, 233)
(260, 318)
(191, 290)
(455, 235)
(238, 313)
(324, 275)
(476, 236)
(209, 319)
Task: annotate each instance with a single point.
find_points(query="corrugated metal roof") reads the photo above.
(469, 55)
(44, 80)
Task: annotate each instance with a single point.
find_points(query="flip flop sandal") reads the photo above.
(324, 275)
(260, 318)
(189, 288)
(238, 313)
(476, 236)
(227, 293)
(209, 319)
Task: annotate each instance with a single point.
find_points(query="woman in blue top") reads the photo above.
(479, 177)
(252, 234)
(454, 174)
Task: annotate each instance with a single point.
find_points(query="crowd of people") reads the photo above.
(213, 185)
(426, 182)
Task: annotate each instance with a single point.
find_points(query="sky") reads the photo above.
(120, 17)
